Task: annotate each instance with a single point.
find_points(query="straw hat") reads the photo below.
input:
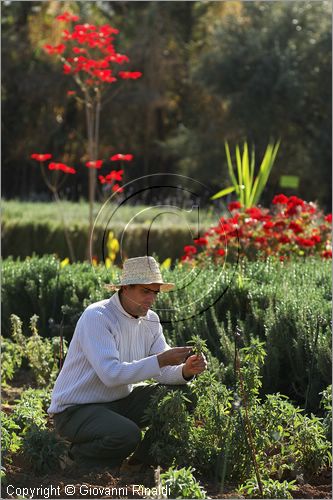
(141, 271)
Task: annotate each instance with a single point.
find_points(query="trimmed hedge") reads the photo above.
(23, 239)
(287, 305)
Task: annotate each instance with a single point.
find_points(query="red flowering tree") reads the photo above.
(292, 227)
(88, 55)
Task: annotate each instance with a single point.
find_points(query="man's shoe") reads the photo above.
(66, 461)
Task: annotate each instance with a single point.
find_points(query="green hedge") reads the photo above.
(286, 305)
(23, 239)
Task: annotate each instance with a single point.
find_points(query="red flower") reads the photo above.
(327, 254)
(54, 49)
(116, 175)
(117, 188)
(67, 17)
(61, 166)
(254, 213)
(268, 225)
(284, 239)
(260, 239)
(79, 50)
(67, 69)
(184, 258)
(201, 241)
(130, 75)
(41, 157)
(316, 238)
(293, 200)
(234, 205)
(71, 92)
(220, 251)
(94, 164)
(280, 223)
(328, 218)
(280, 199)
(296, 228)
(305, 242)
(121, 157)
(190, 249)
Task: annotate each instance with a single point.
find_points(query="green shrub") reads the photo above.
(181, 483)
(43, 355)
(285, 305)
(31, 409)
(10, 438)
(41, 238)
(42, 450)
(12, 351)
(326, 405)
(271, 489)
(286, 442)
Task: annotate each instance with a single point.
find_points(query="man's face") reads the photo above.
(140, 298)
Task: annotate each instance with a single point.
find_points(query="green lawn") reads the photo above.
(78, 213)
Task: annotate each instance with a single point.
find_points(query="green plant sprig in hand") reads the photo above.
(199, 346)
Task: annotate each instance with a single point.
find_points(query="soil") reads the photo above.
(107, 484)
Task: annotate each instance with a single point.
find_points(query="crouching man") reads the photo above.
(117, 343)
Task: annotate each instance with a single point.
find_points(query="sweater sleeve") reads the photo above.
(98, 345)
(169, 374)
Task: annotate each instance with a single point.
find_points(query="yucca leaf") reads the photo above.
(252, 166)
(246, 173)
(264, 171)
(240, 192)
(231, 168)
(223, 192)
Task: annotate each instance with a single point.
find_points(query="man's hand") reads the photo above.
(174, 356)
(194, 364)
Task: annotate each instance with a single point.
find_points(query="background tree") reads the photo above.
(213, 71)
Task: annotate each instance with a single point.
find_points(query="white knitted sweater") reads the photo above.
(109, 352)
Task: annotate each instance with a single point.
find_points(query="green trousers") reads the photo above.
(104, 434)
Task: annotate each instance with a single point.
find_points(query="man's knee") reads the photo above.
(128, 439)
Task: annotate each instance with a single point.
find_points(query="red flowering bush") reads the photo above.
(88, 53)
(292, 227)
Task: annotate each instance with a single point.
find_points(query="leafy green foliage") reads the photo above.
(248, 188)
(199, 346)
(43, 355)
(12, 351)
(271, 489)
(170, 425)
(286, 442)
(284, 305)
(42, 449)
(181, 483)
(30, 409)
(326, 405)
(10, 438)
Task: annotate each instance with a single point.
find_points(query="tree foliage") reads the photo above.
(212, 72)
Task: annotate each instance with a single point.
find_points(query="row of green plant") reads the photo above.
(25, 432)
(227, 432)
(39, 354)
(42, 238)
(25, 425)
(285, 305)
(263, 445)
